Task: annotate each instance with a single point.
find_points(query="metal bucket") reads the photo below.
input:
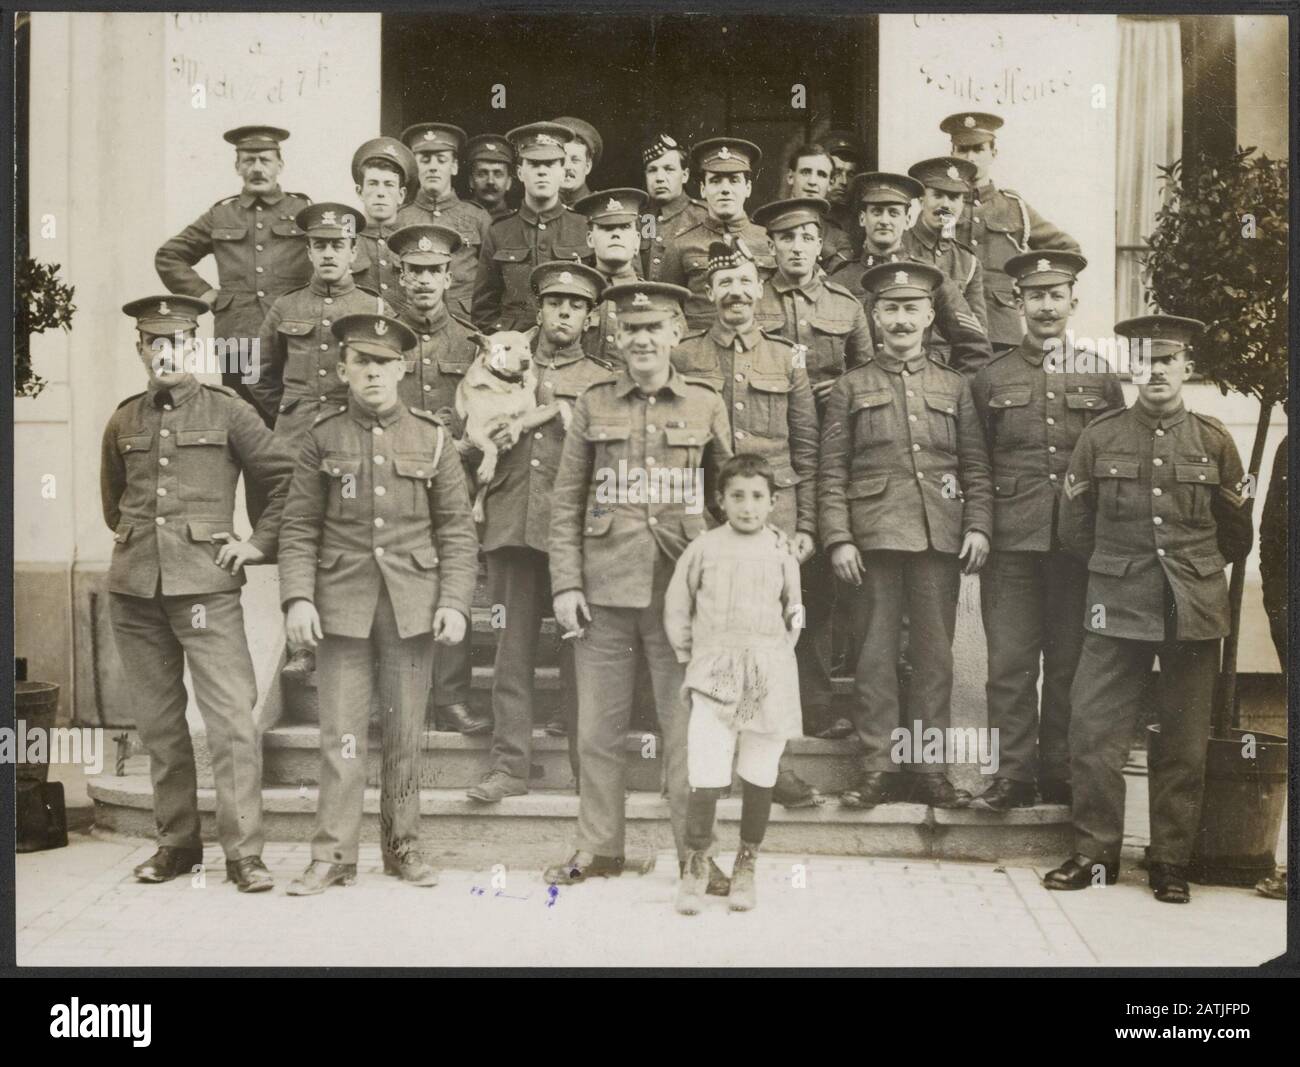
(36, 705)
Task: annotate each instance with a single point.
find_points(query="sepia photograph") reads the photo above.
(572, 488)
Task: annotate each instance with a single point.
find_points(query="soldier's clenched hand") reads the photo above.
(235, 554)
(846, 561)
(302, 624)
(802, 546)
(448, 626)
(571, 612)
(975, 550)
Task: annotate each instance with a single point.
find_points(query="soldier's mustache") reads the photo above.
(902, 327)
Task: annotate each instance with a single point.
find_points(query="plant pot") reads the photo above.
(1241, 814)
(36, 704)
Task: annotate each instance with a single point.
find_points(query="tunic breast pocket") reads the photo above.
(135, 449)
(685, 446)
(204, 463)
(770, 395)
(1197, 484)
(872, 416)
(295, 339)
(415, 479)
(1117, 485)
(342, 473)
(515, 267)
(1010, 407)
(1084, 405)
(694, 264)
(942, 410)
(827, 356)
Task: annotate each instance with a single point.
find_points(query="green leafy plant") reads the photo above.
(41, 302)
(1219, 253)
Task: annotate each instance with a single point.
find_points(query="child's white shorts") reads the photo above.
(711, 745)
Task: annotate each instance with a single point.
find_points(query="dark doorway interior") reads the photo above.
(693, 76)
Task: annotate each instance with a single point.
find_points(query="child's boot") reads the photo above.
(744, 893)
(695, 879)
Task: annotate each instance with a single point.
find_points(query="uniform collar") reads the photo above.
(724, 336)
(424, 200)
(927, 235)
(366, 418)
(182, 391)
(340, 288)
(870, 258)
(734, 226)
(436, 321)
(674, 207)
(549, 215)
(572, 196)
(547, 356)
(1031, 349)
(627, 274)
(379, 229)
(1161, 422)
(985, 191)
(247, 200)
(894, 365)
(811, 289)
(675, 384)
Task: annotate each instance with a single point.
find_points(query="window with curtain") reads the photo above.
(1150, 134)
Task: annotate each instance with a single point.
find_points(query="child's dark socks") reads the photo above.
(755, 811)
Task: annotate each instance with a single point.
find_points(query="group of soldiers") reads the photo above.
(863, 334)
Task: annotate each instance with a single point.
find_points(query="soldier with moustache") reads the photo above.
(847, 158)
(582, 154)
(612, 218)
(932, 239)
(666, 173)
(491, 163)
(1156, 506)
(437, 147)
(884, 200)
(998, 223)
(382, 168)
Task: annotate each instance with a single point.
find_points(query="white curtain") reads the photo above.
(1150, 127)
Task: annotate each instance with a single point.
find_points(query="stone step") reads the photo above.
(291, 757)
(539, 828)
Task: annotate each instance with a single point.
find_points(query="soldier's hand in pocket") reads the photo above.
(236, 554)
(571, 612)
(302, 624)
(448, 626)
(846, 561)
(975, 551)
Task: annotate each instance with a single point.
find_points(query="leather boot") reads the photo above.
(744, 893)
(693, 883)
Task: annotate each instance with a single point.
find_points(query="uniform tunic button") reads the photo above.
(906, 373)
(537, 436)
(427, 362)
(261, 270)
(1160, 551)
(261, 293)
(650, 460)
(650, 428)
(1158, 521)
(383, 285)
(162, 492)
(602, 435)
(740, 405)
(428, 388)
(916, 448)
(540, 225)
(1160, 433)
(160, 521)
(336, 471)
(650, 400)
(920, 474)
(259, 208)
(383, 262)
(1052, 449)
(258, 247)
(379, 551)
(740, 377)
(1158, 462)
(321, 372)
(740, 434)
(167, 407)
(655, 261)
(803, 322)
(1051, 396)
(329, 300)
(1157, 492)
(1051, 422)
(325, 398)
(379, 459)
(164, 433)
(163, 461)
(911, 418)
(535, 462)
(378, 431)
(609, 337)
(379, 522)
(1114, 470)
(911, 393)
(426, 337)
(1205, 459)
(1201, 477)
(654, 521)
(324, 322)
(379, 489)
(420, 473)
(324, 348)
(1051, 477)
(260, 226)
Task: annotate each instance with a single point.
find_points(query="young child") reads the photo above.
(733, 613)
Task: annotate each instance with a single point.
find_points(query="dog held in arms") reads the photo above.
(499, 391)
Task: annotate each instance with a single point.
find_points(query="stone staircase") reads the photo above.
(539, 827)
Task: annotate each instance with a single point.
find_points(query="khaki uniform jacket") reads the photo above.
(998, 224)
(965, 346)
(1155, 501)
(260, 254)
(600, 331)
(377, 268)
(673, 220)
(955, 259)
(903, 464)
(518, 502)
(467, 219)
(300, 354)
(837, 247)
(443, 352)
(515, 245)
(686, 261)
(604, 542)
(378, 499)
(823, 320)
(771, 409)
(167, 478)
(1032, 418)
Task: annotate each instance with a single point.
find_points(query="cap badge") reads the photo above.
(381, 327)
(425, 245)
(1043, 265)
(667, 140)
(490, 147)
(429, 135)
(952, 172)
(328, 218)
(389, 150)
(724, 152)
(640, 300)
(163, 309)
(566, 277)
(968, 121)
(613, 205)
(546, 138)
(900, 277)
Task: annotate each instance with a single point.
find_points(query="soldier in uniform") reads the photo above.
(444, 349)
(764, 384)
(612, 555)
(299, 349)
(377, 565)
(437, 147)
(884, 200)
(543, 229)
(1033, 406)
(998, 223)
(666, 174)
(382, 168)
(518, 515)
(582, 153)
(1155, 504)
(829, 330)
(846, 160)
(491, 166)
(726, 166)
(259, 249)
(171, 458)
(612, 232)
(809, 175)
(905, 498)
(945, 181)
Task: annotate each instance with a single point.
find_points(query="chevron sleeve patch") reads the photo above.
(1074, 488)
